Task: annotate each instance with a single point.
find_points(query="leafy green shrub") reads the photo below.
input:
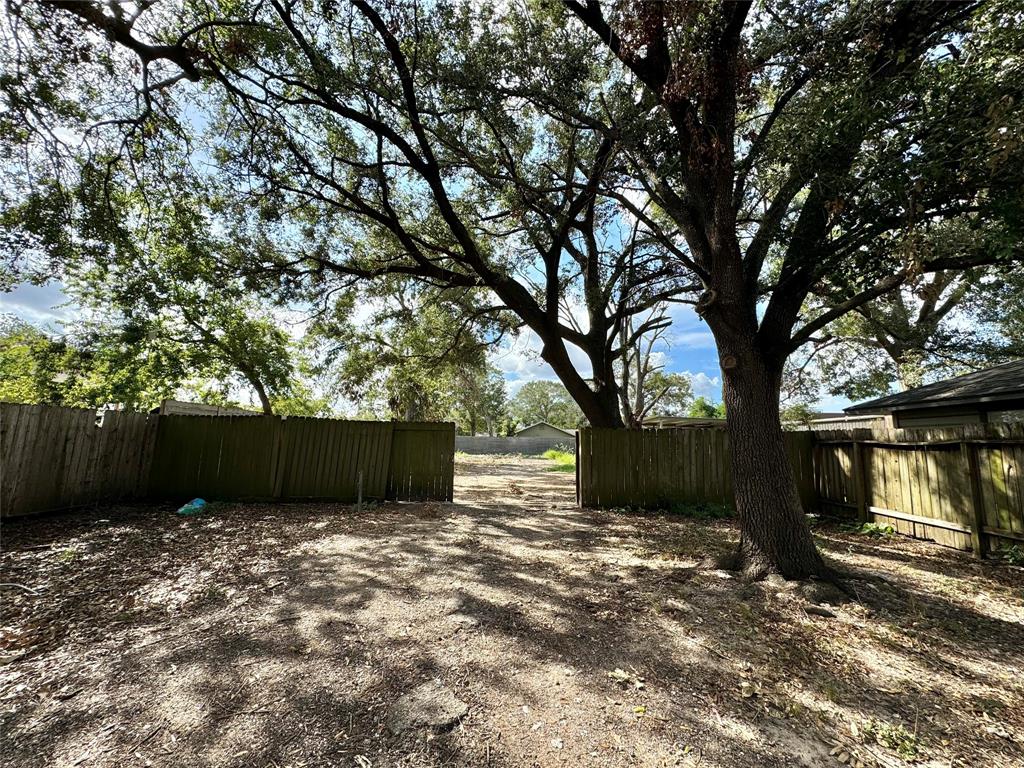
(1013, 555)
(894, 737)
(874, 530)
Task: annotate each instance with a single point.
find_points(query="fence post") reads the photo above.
(860, 493)
(577, 438)
(969, 451)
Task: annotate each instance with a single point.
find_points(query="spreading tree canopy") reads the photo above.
(575, 163)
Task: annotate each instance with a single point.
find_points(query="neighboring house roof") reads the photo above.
(992, 385)
(681, 421)
(825, 422)
(568, 432)
(183, 408)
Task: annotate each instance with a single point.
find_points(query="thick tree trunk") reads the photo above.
(601, 407)
(261, 392)
(774, 535)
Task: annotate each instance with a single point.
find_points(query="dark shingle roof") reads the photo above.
(568, 432)
(1003, 382)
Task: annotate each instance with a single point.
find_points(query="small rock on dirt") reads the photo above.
(776, 581)
(822, 592)
(672, 605)
(426, 706)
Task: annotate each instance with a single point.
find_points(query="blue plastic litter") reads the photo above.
(194, 507)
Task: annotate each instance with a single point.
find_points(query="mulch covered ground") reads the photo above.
(535, 633)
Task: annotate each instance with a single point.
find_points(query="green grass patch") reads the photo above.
(564, 461)
(1013, 555)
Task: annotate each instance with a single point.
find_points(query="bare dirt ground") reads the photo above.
(286, 635)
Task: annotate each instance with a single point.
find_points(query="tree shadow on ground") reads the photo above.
(274, 635)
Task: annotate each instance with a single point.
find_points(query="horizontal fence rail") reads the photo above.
(55, 458)
(959, 486)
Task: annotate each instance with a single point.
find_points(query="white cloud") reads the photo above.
(705, 386)
(38, 304)
(519, 360)
(693, 340)
(688, 330)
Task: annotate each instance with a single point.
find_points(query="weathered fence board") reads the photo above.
(661, 467)
(959, 486)
(56, 458)
(217, 456)
(267, 457)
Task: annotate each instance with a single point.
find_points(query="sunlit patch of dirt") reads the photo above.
(262, 634)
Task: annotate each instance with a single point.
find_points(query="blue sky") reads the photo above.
(690, 349)
(37, 304)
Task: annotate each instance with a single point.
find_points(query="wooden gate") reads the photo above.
(269, 457)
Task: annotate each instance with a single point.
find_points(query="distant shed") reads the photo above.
(543, 429)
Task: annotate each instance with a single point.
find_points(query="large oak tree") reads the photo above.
(792, 145)
(378, 142)
(577, 162)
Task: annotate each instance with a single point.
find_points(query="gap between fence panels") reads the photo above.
(959, 486)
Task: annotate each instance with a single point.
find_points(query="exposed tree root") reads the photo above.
(751, 569)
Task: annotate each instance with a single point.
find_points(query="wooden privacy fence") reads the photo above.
(959, 486)
(54, 458)
(268, 457)
(661, 467)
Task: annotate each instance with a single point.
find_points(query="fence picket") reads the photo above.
(55, 458)
(918, 481)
